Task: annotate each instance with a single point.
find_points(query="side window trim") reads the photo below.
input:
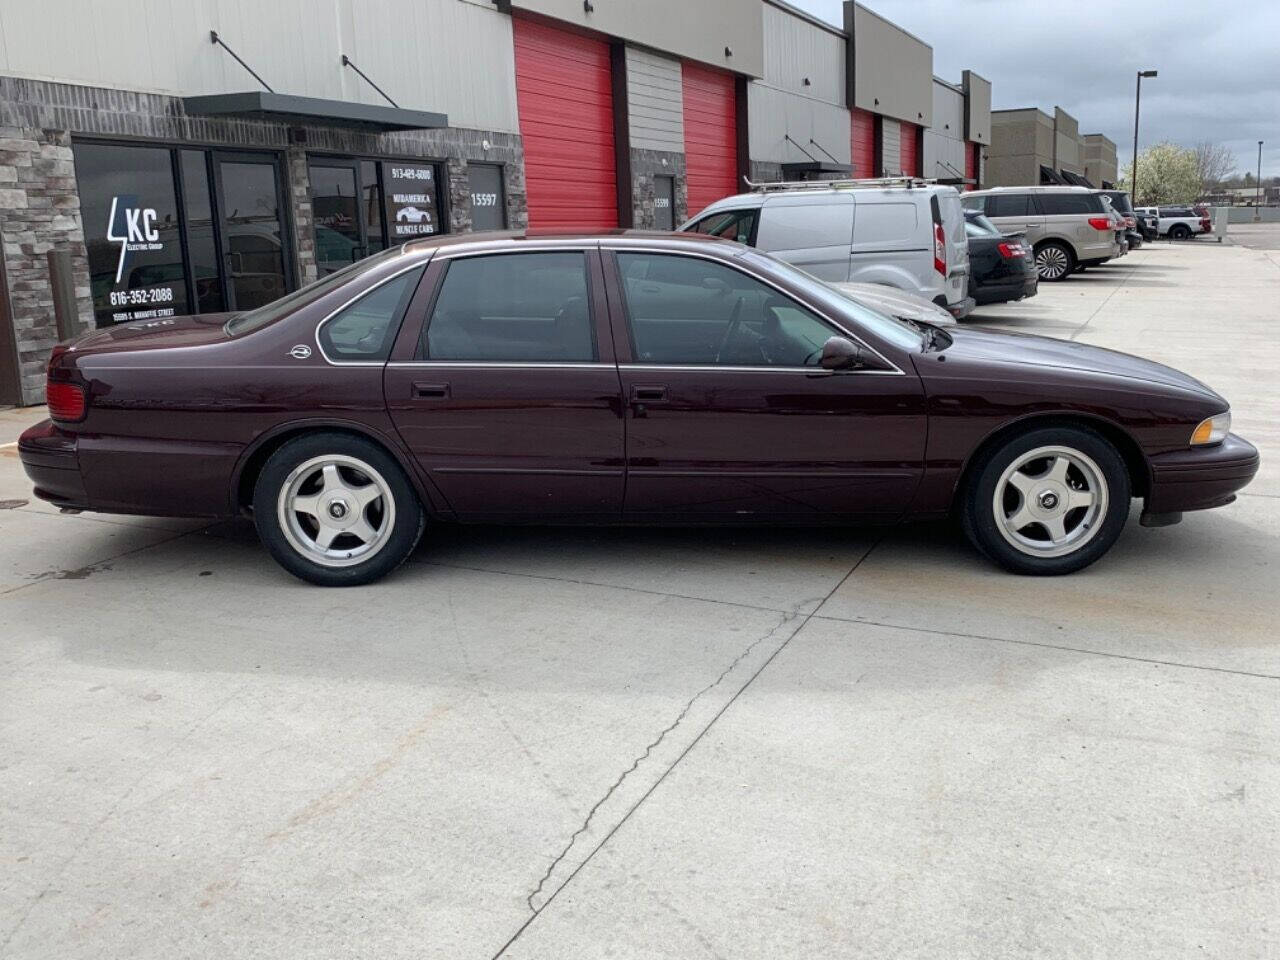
(398, 322)
(598, 322)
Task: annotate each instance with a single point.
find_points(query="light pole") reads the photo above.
(1257, 200)
(1137, 105)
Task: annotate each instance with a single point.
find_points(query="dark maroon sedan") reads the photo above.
(616, 378)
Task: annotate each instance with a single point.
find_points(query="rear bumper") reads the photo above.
(1007, 288)
(49, 458)
(961, 308)
(1201, 477)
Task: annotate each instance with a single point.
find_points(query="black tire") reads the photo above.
(1179, 231)
(368, 505)
(1092, 462)
(1055, 261)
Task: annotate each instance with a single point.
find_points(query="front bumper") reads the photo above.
(49, 457)
(1200, 477)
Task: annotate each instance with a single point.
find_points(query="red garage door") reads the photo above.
(863, 143)
(710, 135)
(971, 165)
(565, 99)
(908, 153)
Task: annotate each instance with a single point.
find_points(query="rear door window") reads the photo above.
(513, 307)
(1009, 205)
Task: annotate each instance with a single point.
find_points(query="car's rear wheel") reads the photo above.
(336, 510)
(1179, 231)
(1050, 501)
(1054, 261)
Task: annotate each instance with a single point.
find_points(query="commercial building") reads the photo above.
(160, 160)
(1028, 146)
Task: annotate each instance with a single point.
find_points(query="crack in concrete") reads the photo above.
(653, 745)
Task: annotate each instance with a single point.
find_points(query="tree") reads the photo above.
(1167, 173)
(1214, 164)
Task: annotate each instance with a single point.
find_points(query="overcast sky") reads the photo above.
(1219, 63)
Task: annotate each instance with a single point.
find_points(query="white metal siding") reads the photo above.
(772, 113)
(944, 141)
(891, 149)
(795, 49)
(442, 55)
(655, 104)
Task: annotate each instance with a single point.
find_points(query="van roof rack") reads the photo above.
(865, 183)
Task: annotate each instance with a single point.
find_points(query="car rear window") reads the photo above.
(980, 226)
(1120, 200)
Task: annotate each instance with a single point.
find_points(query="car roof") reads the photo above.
(1046, 188)
(513, 240)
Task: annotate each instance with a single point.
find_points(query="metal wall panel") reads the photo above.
(977, 106)
(890, 147)
(796, 50)
(441, 55)
(773, 113)
(944, 145)
(654, 101)
(892, 70)
(699, 30)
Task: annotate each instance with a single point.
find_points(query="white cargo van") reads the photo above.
(896, 231)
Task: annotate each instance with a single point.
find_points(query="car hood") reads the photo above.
(896, 303)
(160, 334)
(1028, 350)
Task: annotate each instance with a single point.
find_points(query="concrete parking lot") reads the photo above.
(664, 743)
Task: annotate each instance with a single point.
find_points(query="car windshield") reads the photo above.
(269, 313)
(901, 334)
(977, 225)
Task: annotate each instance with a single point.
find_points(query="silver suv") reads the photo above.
(896, 231)
(1068, 227)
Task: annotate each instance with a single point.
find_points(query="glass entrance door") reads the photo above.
(336, 206)
(251, 207)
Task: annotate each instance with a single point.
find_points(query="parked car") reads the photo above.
(1001, 266)
(896, 303)
(1120, 202)
(608, 378)
(907, 234)
(1068, 227)
(1179, 222)
(1117, 224)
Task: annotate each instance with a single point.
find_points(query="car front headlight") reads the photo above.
(1213, 430)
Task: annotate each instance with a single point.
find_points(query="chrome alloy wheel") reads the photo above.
(336, 510)
(1050, 501)
(1052, 262)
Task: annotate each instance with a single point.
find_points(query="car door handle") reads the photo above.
(430, 390)
(654, 394)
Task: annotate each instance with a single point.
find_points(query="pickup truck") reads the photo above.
(1179, 223)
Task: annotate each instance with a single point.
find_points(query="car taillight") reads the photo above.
(66, 401)
(1010, 251)
(939, 249)
(1206, 226)
(1100, 223)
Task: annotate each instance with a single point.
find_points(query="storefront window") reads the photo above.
(174, 231)
(130, 213)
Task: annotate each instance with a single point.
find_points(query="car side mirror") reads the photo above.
(839, 353)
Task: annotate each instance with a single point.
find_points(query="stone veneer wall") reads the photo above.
(40, 203)
(647, 164)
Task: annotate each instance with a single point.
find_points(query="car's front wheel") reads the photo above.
(336, 509)
(1050, 501)
(1054, 261)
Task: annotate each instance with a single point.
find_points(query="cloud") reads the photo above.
(1219, 63)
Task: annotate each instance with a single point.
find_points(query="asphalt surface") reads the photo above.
(665, 743)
